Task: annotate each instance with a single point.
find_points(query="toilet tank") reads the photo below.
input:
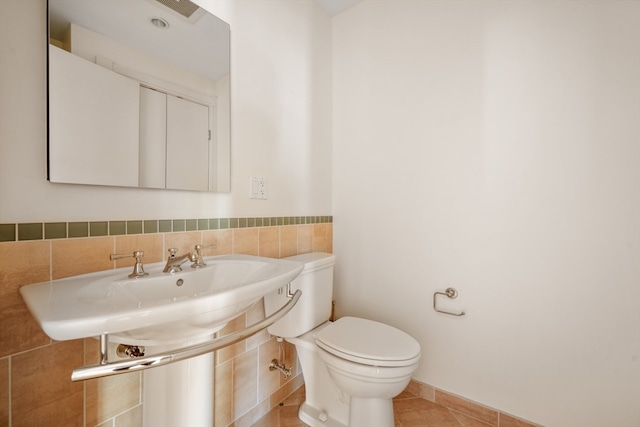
(314, 306)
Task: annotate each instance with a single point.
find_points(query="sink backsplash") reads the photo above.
(35, 384)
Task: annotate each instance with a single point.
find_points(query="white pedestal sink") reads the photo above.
(161, 311)
(160, 308)
(188, 401)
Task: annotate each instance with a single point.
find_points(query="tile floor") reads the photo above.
(410, 411)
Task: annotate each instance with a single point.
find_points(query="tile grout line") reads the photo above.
(9, 367)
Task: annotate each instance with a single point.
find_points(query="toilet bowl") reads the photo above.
(352, 367)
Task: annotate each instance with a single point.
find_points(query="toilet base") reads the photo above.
(371, 412)
(363, 413)
(314, 417)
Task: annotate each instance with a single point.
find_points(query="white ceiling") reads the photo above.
(126, 21)
(334, 7)
(201, 46)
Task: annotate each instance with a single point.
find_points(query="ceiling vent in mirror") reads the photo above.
(185, 8)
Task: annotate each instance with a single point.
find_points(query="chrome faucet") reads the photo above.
(175, 262)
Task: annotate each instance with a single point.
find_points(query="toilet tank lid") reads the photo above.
(314, 260)
(368, 342)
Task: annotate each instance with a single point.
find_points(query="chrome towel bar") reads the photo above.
(451, 293)
(106, 368)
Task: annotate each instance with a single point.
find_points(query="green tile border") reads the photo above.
(55, 230)
(98, 228)
(117, 228)
(179, 225)
(74, 229)
(191, 224)
(30, 231)
(150, 226)
(165, 226)
(134, 227)
(7, 232)
(78, 229)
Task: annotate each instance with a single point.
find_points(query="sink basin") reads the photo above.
(160, 308)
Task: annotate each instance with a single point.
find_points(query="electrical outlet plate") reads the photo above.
(257, 187)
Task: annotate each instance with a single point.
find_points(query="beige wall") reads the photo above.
(490, 146)
(35, 373)
(494, 146)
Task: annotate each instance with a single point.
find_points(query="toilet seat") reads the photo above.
(368, 342)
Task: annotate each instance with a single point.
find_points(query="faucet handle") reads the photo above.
(138, 268)
(200, 248)
(136, 254)
(197, 256)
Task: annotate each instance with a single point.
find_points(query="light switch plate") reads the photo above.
(257, 187)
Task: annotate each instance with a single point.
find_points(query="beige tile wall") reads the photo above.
(35, 385)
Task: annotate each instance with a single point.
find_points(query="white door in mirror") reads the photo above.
(93, 123)
(187, 144)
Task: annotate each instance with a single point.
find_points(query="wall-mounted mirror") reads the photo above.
(139, 95)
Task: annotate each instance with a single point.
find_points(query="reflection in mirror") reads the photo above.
(138, 95)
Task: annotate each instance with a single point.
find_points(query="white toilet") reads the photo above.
(352, 367)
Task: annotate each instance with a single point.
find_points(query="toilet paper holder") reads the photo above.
(451, 293)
